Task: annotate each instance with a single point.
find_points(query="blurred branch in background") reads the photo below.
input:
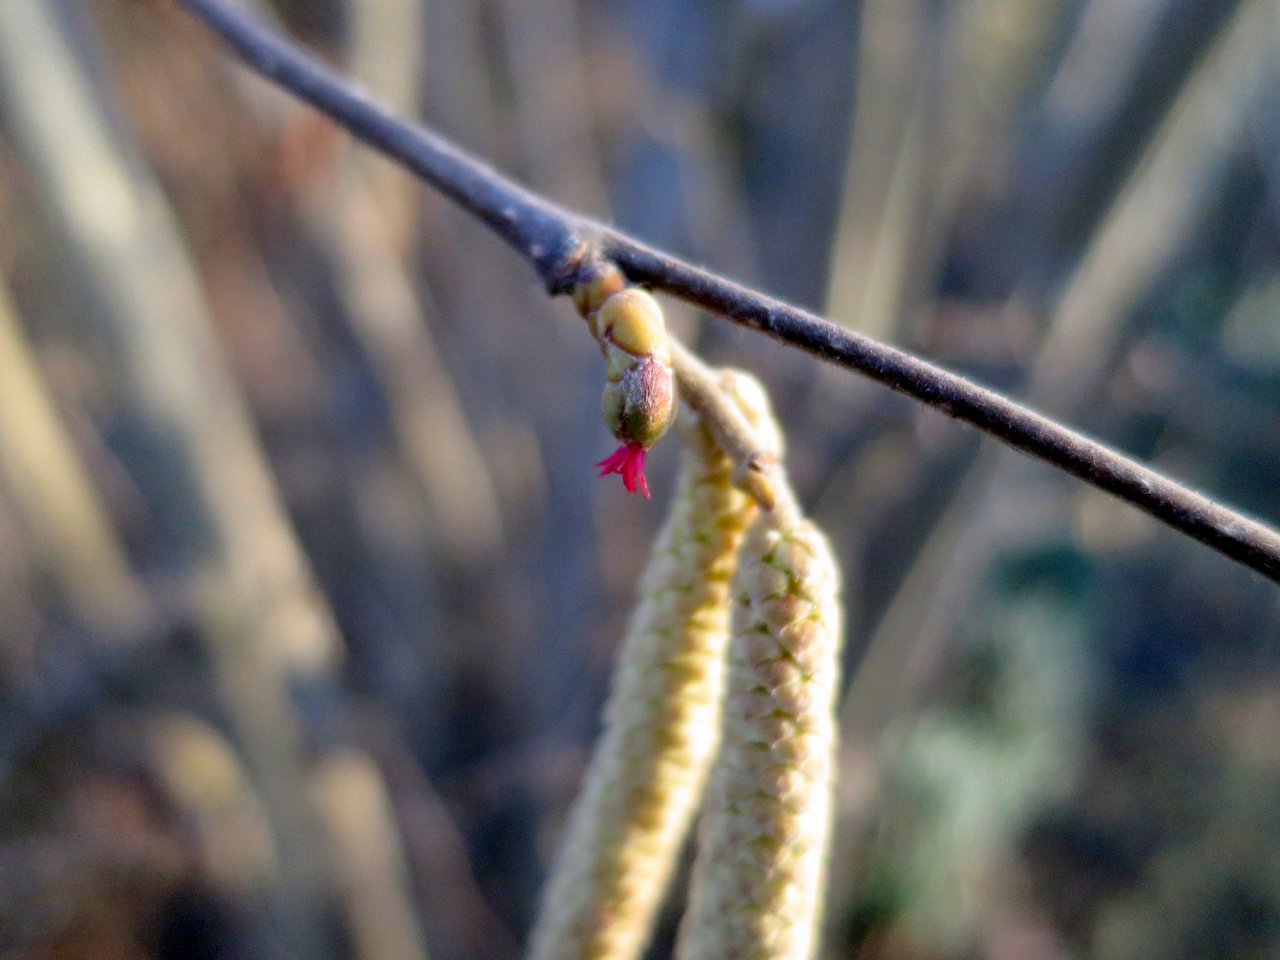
(367, 218)
(264, 627)
(368, 858)
(880, 209)
(203, 778)
(938, 90)
(42, 471)
(1150, 218)
(248, 587)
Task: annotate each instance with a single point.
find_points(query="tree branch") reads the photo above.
(557, 243)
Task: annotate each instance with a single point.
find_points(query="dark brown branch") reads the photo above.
(557, 242)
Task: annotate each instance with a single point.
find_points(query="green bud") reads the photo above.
(639, 400)
(640, 406)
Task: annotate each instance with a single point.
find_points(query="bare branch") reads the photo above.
(556, 242)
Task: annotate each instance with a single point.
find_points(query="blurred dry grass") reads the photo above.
(309, 592)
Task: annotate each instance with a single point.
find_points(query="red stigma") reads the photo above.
(627, 460)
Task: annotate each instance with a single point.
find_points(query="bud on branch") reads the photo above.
(640, 390)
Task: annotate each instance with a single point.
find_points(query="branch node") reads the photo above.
(559, 267)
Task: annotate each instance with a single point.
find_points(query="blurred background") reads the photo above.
(308, 591)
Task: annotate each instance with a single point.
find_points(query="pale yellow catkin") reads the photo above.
(756, 891)
(661, 721)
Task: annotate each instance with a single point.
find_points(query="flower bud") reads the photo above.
(639, 396)
(596, 283)
(631, 321)
(640, 405)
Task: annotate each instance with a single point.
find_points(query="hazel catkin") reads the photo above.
(756, 891)
(661, 723)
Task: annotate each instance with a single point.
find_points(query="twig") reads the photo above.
(556, 243)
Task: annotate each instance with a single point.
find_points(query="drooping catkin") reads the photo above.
(756, 891)
(661, 722)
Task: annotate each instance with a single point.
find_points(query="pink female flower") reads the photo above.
(627, 460)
